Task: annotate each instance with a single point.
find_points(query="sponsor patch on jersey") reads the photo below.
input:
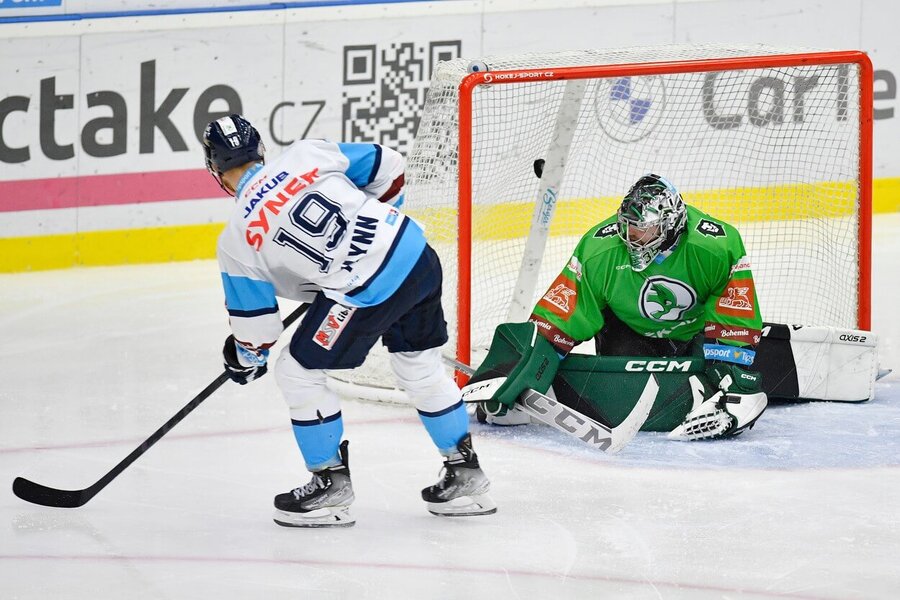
(562, 342)
(743, 264)
(607, 231)
(717, 331)
(710, 228)
(665, 299)
(575, 267)
(737, 299)
(733, 354)
(333, 325)
(561, 298)
(258, 228)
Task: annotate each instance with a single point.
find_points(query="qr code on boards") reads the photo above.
(384, 89)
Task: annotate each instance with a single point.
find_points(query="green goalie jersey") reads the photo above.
(703, 285)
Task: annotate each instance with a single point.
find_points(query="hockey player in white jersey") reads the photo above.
(320, 224)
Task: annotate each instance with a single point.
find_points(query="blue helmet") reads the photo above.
(231, 142)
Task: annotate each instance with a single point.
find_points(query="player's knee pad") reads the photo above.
(305, 390)
(423, 376)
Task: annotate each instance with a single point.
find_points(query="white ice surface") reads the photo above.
(805, 505)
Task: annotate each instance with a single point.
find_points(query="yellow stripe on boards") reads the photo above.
(97, 248)
(511, 220)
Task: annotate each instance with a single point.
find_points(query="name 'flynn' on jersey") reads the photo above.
(323, 216)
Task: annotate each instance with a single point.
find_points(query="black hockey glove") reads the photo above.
(248, 367)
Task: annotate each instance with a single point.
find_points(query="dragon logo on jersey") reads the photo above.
(561, 298)
(665, 299)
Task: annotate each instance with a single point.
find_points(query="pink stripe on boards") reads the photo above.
(105, 190)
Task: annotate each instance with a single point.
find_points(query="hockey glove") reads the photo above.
(734, 407)
(519, 359)
(243, 365)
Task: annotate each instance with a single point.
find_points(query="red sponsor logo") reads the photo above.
(560, 299)
(737, 298)
(562, 342)
(256, 229)
(333, 325)
(724, 332)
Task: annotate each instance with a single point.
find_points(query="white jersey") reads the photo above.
(321, 217)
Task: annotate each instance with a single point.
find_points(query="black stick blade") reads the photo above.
(36, 493)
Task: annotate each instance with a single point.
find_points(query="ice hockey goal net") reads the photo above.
(776, 142)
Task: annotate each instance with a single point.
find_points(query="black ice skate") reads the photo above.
(323, 502)
(462, 492)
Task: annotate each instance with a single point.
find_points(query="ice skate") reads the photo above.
(463, 490)
(323, 502)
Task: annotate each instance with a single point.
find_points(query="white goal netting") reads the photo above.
(773, 150)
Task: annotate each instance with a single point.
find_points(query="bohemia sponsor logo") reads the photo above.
(554, 335)
(741, 334)
(332, 325)
(737, 299)
(291, 189)
(560, 299)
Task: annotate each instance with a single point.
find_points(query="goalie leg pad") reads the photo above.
(519, 359)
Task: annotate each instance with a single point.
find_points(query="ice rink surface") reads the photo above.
(806, 505)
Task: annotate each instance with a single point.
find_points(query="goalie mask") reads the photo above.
(230, 142)
(651, 219)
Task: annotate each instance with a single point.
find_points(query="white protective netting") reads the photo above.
(773, 151)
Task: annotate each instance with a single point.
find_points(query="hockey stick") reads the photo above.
(573, 423)
(48, 496)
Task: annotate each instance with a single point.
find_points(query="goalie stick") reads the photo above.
(47, 496)
(573, 423)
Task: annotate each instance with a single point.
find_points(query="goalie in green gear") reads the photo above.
(657, 279)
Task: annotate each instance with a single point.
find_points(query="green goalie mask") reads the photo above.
(651, 219)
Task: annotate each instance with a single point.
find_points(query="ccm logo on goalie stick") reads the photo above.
(584, 430)
(332, 326)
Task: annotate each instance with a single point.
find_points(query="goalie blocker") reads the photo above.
(796, 364)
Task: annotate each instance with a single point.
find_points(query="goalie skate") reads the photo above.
(323, 502)
(462, 491)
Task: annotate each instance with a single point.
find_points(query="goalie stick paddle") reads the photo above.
(573, 423)
(47, 496)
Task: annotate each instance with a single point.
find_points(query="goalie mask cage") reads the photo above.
(776, 142)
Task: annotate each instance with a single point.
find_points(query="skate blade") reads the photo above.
(464, 506)
(338, 516)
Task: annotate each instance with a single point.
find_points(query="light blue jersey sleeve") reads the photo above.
(251, 303)
(375, 169)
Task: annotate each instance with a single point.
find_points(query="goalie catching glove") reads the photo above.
(519, 359)
(243, 365)
(736, 405)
